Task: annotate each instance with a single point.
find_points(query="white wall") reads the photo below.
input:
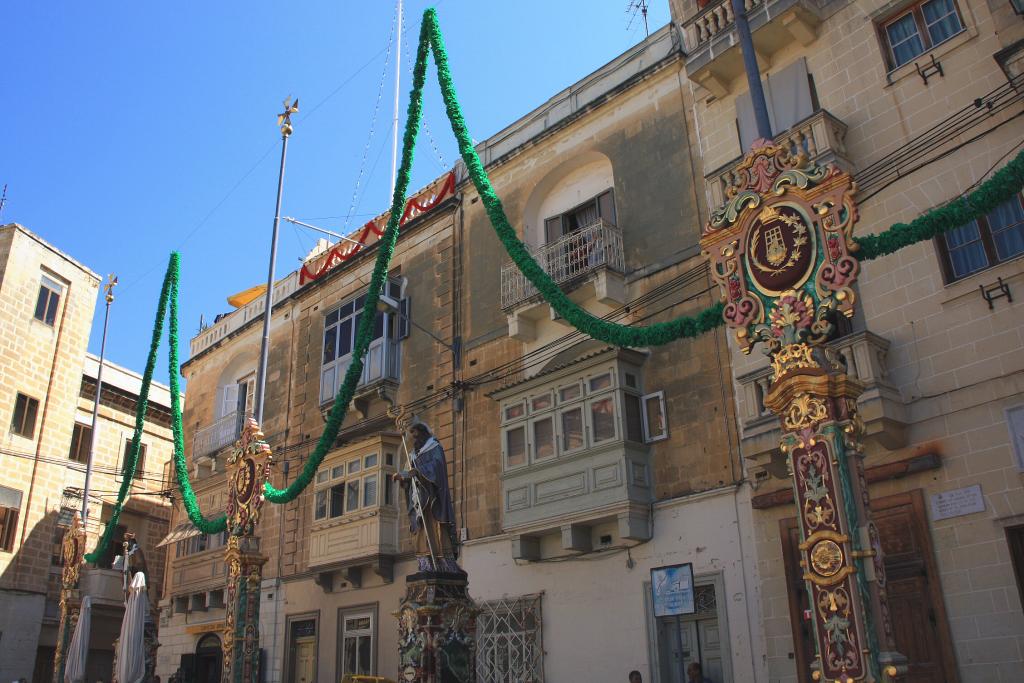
(594, 621)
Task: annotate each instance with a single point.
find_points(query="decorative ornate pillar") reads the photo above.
(782, 251)
(250, 461)
(437, 629)
(72, 554)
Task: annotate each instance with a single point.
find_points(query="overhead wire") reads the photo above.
(373, 122)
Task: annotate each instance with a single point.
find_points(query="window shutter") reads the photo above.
(229, 400)
(789, 96)
(403, 318)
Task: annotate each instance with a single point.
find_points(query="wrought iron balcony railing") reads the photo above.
(596, 246)
(222, 432)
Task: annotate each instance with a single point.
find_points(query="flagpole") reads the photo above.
(394, 119)
(94, 432)
(284, 121)
(757, 99)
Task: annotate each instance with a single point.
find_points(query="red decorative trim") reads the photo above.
(415, 207)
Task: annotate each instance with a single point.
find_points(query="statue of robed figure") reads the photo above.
(429, 501)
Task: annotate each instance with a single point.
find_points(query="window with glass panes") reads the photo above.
(353, 483)
(48, 300)
(576, 413)
(918, 28)
(23, 421)
(382, 359)
(199, 543)
(81, 442)
(994, 238)
(357, 647)
(599, 208)
(140, 464)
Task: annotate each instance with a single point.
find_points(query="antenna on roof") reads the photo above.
(638, 7)
(3, 200)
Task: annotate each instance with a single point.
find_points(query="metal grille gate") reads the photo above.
(510, 644)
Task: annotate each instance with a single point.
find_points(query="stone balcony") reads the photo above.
(588, 264)
(821, 136)
(105, 586)
(713, 57)
(881, 406)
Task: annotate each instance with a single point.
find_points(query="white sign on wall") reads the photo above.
(957, 503)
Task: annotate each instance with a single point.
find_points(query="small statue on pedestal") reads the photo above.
(436, 618)
(429, 501)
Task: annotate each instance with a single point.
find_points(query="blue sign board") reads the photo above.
(672, 590)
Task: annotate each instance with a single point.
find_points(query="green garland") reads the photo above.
(655, 334)
(364, 332)
(1003, 185)
(141, 408)
(188, 496)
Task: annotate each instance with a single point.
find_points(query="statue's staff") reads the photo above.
(417, 504)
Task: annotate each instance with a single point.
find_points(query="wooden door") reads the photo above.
(916, 607)
(305, 660)
(711, 650)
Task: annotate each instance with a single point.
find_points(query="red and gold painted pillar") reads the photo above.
(250, 462)
(782, 251)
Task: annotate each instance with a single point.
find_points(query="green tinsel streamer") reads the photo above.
(188, 496)
(655, 334)
(1003, 185)
(386, 246)
(141, 409)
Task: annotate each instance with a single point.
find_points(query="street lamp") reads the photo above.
(385, 304)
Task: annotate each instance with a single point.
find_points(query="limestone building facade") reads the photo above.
(47, 390)
(578, 469)
(920, 101)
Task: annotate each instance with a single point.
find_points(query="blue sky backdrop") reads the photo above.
(133, 129)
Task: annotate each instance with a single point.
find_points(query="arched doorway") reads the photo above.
(208, 659)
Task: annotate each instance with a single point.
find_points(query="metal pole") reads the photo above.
(764, 126)
(111, 281)
(284, 120)
(394, 120)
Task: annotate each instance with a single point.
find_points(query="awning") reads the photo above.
(179, 533)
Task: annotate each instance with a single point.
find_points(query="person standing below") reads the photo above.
(435, 533)
(695, 673)
(635, 677)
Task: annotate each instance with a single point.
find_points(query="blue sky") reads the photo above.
(132, 129)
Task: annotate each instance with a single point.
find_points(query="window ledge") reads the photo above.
(350, 518)
(611, 445)
(1010, 271)
(953, 42)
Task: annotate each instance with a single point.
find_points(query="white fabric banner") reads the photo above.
(131, 647)
(78, 650)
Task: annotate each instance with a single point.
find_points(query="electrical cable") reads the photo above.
(373, 126)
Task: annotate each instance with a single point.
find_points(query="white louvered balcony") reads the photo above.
(221, 433)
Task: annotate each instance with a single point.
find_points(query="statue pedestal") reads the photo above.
(436, 629)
